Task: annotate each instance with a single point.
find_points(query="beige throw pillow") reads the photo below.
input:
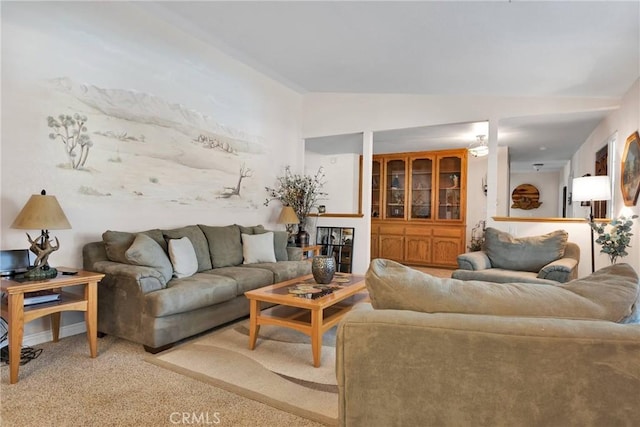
(183, 257)
(258, 248)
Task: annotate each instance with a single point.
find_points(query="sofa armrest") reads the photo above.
(294, 253)
(146, 279)
(399, 367)
(561, 270)
(474, 261)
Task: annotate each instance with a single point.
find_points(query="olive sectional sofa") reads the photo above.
(445, 352)
(161, 286)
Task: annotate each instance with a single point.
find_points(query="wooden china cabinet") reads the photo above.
(418, 207)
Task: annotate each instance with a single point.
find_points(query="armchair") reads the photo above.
(548, 258)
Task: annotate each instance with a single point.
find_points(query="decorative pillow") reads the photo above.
(183, 257)
(397, 287)
(147, 252)
(258, 248)
(225, 245)
(523, 253)
(280, 242)
(116, 243)
(198, 240)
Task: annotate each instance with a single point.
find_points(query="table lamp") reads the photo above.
(589, 189)
(289, 218)
(43, 213)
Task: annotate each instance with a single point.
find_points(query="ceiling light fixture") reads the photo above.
(479, 148)
(538, 166)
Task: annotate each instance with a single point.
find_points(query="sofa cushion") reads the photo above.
(255, 229)
(225, 245)
(198, 240)
(147, 252)
(395, 286)
(523, 253)
(190, 293)
(116, 243)
(500, 275)
(183, 257)
(245, 278)
(285, 270)
(258, 248)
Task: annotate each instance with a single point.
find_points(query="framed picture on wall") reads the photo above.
(630, 170)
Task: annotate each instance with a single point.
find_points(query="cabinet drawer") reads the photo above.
(448, 232)
(397, 230)
(419, 230)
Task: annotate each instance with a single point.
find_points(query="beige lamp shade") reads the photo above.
(41, 212)
(288, 216)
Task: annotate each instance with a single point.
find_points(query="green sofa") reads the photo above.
(547, 259)
(156, 293)
(443, 352)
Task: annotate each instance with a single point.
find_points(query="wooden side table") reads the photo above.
(312, 248)
(18, 314)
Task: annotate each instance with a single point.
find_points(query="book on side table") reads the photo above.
(39, 297)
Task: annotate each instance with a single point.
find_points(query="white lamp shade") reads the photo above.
(589, 188)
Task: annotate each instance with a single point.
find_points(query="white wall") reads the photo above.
(170, 86)
(342, 179)
(547, 184)
(624, 121)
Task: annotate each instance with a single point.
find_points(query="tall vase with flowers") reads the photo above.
(301, 192)
(615, 241)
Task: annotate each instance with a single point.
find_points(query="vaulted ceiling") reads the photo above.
(499, 48)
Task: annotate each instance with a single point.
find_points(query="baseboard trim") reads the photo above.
(46, 336)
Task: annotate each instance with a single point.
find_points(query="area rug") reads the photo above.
(279, 372)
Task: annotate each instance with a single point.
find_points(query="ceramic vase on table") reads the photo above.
(323, 267)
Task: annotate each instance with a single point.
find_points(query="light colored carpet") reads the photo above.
(65, 387)
(279, 372)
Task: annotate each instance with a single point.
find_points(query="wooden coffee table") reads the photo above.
(311, 316)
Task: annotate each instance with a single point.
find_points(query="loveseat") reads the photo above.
(161, 286)
(549, 258)
(445, 352)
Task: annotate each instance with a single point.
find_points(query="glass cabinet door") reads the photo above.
(395, 188)
(449, 175)
(421, 182)
(376, 183)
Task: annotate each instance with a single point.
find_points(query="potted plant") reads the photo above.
(615, 241)
(301, 192)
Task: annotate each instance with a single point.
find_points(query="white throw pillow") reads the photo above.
(183, 257)
(258, 248)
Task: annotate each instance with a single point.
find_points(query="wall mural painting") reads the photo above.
(124, 144)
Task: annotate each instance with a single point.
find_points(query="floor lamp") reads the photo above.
(590, 189)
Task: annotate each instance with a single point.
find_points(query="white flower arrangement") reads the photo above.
(301, 192)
